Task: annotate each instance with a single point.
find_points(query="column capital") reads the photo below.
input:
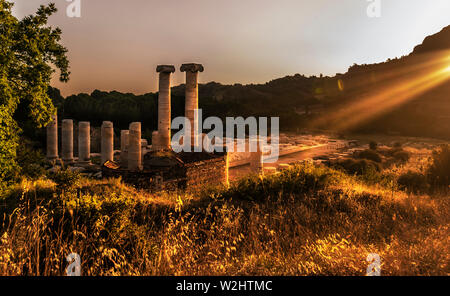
(192, 68)
(165, 69)
(107, 124)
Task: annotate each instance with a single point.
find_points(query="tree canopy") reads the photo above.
(30, 51)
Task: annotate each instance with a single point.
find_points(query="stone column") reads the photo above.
(124, 148)
(192, 96)
(84, 142)
(107, 135)
(256, 157)
(164, 109)
(155, 141)
(144, 144)
(134, 147)
(52, 139)
(67, 141)
(227, 169)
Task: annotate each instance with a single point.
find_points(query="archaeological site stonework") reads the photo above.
(155, 167)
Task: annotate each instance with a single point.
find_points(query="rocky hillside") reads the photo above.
(439, 41)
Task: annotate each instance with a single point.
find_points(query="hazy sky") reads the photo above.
(117, 44)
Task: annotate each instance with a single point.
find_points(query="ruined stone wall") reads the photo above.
(152, 181)
(192, 176)
(206, 173)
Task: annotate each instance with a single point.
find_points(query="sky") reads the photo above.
(117, 44)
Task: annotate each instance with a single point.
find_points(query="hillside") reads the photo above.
(439, 41)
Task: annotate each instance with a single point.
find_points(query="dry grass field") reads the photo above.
(305, 220)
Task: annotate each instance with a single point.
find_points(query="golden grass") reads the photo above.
(326, 230)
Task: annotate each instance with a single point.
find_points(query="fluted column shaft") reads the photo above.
(124, 148)
(191, 97)
(52, 138)
(134, 147)
(164, 106)
(84, 142)
(107, 142)
(67, 141)
(191, 104)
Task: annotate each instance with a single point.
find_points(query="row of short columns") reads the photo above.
(132, 145)
(161, 139)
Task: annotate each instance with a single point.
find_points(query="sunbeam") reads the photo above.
(403, 86)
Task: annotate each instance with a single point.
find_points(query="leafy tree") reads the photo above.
(28, 49)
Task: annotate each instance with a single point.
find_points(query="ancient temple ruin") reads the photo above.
(155, 167)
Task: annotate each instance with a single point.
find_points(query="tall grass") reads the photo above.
(306, 220)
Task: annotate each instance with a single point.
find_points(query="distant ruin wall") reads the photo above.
(209, 172)
(152, 181)
(191, 177)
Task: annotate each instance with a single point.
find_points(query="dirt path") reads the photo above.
(240, 171)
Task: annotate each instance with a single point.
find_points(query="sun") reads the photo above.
(447, 69)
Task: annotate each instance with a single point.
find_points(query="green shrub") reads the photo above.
(357, 166)
(300, 179)
(438, 174)
(31, 162)
(401, 156)
(65, 179)
(367, 171)
(370, 155)
(413, 182)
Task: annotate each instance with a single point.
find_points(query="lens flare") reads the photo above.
(396, 87)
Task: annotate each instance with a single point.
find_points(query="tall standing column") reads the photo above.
(164, 111)
(107, 141)
(67, 141)
(84, 142)
(124, 148)
(52, 139)
(192, 96)
(134, 147)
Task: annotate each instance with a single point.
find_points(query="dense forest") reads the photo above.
(123, 108)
